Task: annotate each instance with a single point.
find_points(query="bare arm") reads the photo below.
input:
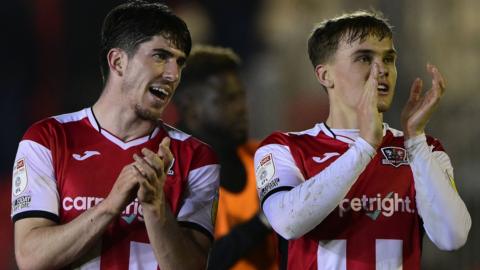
(175, 247)
(42, 244)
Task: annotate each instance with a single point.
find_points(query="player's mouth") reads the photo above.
(383, 88)
(161, 92)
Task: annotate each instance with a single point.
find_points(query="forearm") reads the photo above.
(231, 247)
(54, 246)
(172, 247)
(445, 216)
(296, 212)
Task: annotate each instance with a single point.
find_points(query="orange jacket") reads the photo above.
(235, 208)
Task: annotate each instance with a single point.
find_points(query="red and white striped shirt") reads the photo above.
(67, 164)
(343, 206)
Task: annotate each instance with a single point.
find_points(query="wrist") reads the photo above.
(155, 208)
(411, 132)
(108, 208)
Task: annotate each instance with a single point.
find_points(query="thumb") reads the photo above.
(373, 77)
(164, 145)
(165, 153)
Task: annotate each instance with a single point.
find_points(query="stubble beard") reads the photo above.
(146, 114)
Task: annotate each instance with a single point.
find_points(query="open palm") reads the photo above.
(420, 107)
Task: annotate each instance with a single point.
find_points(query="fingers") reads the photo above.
(153, 165)
(153, 160)
(369, 96)
(144, 168)
(438, 82)
(416, 90)
(165, 153)
(146, 191)
(372, 81)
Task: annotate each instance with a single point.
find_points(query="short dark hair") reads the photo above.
(132, 23)
(324, 40)
(203, 62)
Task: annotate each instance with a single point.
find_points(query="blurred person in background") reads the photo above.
(352, 192)
(211, 105)
(110, 186)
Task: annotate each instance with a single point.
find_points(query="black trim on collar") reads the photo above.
(329, 129)
(96, 120)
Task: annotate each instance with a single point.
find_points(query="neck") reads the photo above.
(119, 118)
(342, 116)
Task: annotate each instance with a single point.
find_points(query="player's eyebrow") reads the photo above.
(371, 52)
(180, 58)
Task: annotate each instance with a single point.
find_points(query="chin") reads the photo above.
(383, 107)
(146, 114)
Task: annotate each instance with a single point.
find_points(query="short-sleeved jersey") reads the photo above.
(68, 164)
(375, 226)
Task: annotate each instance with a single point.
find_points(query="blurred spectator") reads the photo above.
(211, 105)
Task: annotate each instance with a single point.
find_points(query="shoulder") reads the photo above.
(187, 145)
(45, 130)
(293, 137)
(184, 139)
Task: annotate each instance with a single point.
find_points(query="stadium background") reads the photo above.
(50, 66)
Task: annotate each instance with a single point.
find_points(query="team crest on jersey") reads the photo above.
(20, 179)
(265, 171)
(394, 156)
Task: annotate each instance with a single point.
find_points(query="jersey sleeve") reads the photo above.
(295, 205)
(275, 170)
(201, 195)
(445, 217)
(34, 188)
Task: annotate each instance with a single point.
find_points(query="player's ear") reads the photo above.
(323, 73)
(117, 61)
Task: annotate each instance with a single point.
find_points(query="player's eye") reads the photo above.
(364, 59)
(160, 56)
(181, 62)
(389, 59)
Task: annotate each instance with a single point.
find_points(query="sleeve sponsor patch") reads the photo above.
(265, 171)
(21, 203)
(19, 177)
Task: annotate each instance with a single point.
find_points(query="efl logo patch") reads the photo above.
(394, 156)
(19, 176)
(265, 171)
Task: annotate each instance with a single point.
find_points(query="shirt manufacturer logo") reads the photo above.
(85, 155)
(325, 157)
(170, 169)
